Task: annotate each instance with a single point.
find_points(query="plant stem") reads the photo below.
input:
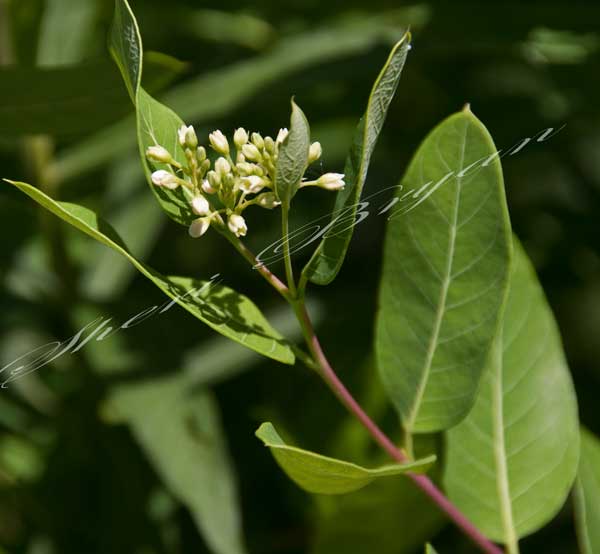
(422, 481)
(285, 234)
(343, 394)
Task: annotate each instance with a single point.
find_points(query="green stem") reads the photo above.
(289, 270)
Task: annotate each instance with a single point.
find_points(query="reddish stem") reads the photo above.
(422, 481)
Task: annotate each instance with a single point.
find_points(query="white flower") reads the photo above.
(200, 205)
(199, 227)
(267, 200)
(251, 153)
(158, 154)
(222, 166)
(281, 136)
(162, 178)
(187, 137)
(219, 142)
(240, 137)
(252, 184)
(314, 153)
(207, 187)
(237, 225)
(331, 181)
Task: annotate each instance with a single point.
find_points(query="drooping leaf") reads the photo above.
(215, 93)
(293, 157)
(587, 494)
(512, 461)
(181, 434)
(327, 260)
(323, 475)
(445, 273)
(221, 308)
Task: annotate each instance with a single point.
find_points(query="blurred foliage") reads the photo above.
(69, 481)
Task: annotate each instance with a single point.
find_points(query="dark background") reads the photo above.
(70, 482)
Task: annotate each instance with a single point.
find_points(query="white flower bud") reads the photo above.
(267, 200)
(269, 145)
(258, 141)
(281, 136)
(201, 154)
(331, 181)
(162, 178)
(222, 166)
(251, 153)
(252, 184)
(200, 205)
(158, 154)
(240, 137)
(187, 137)
(199, 227)
(237, 225)
(207, 187)
(214, 179)
(314, 153)
(219, 142)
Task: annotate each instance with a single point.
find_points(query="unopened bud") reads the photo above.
(222, 166)
(314, 153)
(201, 154)
(240, 137)
(187, 137)
(200, 205)
(281, 136)
(158, 154)
(251, 153)
(219, 142)
(331, 181)
(199, 227)
(258, 141)
(207, 187)
(162, 178)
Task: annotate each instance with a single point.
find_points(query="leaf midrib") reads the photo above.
(439, 316)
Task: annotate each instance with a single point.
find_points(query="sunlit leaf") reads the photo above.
(323, 475)
(512, 461)
(445, 273)
(327, 260)
(182, 436)
(221, 308)
(587, 494)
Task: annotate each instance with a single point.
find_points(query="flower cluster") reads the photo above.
(218, 193)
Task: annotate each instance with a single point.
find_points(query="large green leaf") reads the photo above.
(215, 93)
(512, 461)
(182, 436)
(221, 308)
(156, 124)
(587, 494)
(445, 272)
(293, 157)
(323, 475)
(327, 260)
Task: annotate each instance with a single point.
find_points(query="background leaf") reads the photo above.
(511, 463)
(327, 260)
(182, 436)
(587, 494)
(430, 550)
(221, 308)
(444, 277)
(323, 475)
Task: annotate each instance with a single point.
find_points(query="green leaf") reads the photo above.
(429, 549)
(587, 494)
(323, 475)
(182, 436)
(216, 93)
(512, 461)
(327, 260)
(293, 157)
(221, 308)
(445, 272)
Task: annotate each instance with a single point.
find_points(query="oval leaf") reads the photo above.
(587, 495)
(293, 157)
(327, 260)
(445, 274)
(323, 475)
(513, 460)
(221, 308)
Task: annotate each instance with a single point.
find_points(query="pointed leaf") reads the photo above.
(293, 157)
(323, 475)
(221, 308)
(513, 460)
(182, 436)
(587, 494)
(445, 274)
(327, 260)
